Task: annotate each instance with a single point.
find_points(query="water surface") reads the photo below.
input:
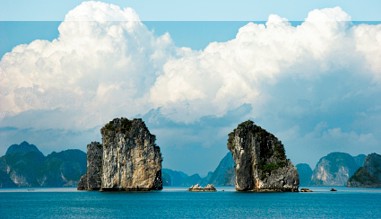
(178, 203)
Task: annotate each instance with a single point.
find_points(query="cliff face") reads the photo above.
(131, 160)
(260, 160)
(305, 174)
(368, 175)
(92, 179)
(334, 169)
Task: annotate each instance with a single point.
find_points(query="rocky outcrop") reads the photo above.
(368, 175)
(24, 165)
(305, 174)
(131, 161)
(92, 179)
(305, 190)
(198, 188)
(260, 160)
(224, 174)
(334, 169)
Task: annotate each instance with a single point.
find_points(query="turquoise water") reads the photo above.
(178, 203)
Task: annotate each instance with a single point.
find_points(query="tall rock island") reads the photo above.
(130, 159)
(260, 161)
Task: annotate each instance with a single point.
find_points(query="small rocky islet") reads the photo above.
(198, 188)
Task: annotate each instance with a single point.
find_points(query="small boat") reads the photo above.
(333, 190)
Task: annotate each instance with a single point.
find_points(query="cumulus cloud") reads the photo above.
(228, 74)
(103, 62)
(106, 63)
(106, 60)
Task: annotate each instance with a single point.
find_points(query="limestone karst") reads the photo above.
(130, 159)
(260, 160)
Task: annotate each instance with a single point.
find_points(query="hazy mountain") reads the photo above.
(305, 174)
(22, 149)
(224, 174)
(5, 180)
(64, 168)
(335, 169)
(360, 159)
(178, 178)
(368, 175)
(24, 165)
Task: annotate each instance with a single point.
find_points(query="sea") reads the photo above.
(179, 203)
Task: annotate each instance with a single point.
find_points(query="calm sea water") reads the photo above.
(178, 203)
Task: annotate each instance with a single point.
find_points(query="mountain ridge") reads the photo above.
(24, 165)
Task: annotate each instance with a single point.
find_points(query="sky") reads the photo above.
(192, 77)
(192, 10)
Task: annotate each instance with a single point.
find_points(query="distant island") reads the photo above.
(23, 165)
(369, 175)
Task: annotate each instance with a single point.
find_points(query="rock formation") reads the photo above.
(198, 188)
(92, 179)
(260, 160)
(305, 174)
(334, 169)
(368, 175)
(131, 161)
(305, 190)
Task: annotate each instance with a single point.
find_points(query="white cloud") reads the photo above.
(106, 60)
(96, 67)
(368, 44)
(226, 75)
(106, 63)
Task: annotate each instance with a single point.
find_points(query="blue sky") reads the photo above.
(315, 84)
(172, 10)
